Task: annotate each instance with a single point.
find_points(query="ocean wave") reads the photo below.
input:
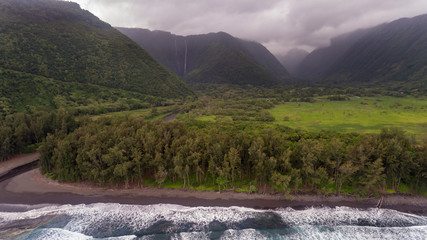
(119, 221)
(339, 216)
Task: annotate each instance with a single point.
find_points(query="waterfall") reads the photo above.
(176, 57)
(185, 58)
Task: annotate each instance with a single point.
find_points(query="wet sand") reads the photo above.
(33, 188)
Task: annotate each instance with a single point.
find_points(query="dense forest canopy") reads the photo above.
(134, 151)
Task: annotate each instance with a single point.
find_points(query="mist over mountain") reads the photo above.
(319, 61)
(395, 51)
(60, 41)
(211, 58)
(292, 59)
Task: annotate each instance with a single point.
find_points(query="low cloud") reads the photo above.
(278, 24)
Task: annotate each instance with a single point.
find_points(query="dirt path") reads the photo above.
(170, 117)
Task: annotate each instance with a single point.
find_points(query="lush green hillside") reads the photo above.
(394, 51)
(267, 60)
(59, 40)
(25, 92)
(167, 48)
(212, 58)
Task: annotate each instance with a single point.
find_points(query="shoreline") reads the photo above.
(33, 188)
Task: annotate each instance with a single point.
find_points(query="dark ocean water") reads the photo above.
(164, 221)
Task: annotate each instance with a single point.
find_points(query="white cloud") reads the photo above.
(278, 24)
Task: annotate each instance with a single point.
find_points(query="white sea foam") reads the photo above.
(357, 232)
(249, 234)
(56, 233)
(119, 221)
(349, 216)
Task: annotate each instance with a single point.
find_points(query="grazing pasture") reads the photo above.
(366, 114)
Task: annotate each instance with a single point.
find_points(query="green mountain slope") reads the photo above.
(391, 52)
(25, 92)
(315, 65)
(211, 58)
(59, 40)
(395, 51)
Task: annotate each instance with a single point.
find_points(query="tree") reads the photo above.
(421, 165)
(252, 188)
(64, 158)
(36, 127)
(22, 137)
(344, 172)
(233, 159)
(257, 157)
(221, 182)
(123, 170)
(114, 160)
(138, 164)
(5, 141)
(212, 168)
(310, 153)
(178, 162)
(396, 153)
(160, 175)
(46, 151)
(337, 151)
(194, 160)
(281, 181)
(320, 178)
(373, 176)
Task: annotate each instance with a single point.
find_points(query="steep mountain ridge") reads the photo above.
(211, 58)
(319, 61)
(395, 51)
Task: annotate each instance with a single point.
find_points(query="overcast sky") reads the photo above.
(277, 24)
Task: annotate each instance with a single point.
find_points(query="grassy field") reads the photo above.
(363, 115)
(367, 114)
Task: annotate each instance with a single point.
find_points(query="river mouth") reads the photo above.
(19, 170)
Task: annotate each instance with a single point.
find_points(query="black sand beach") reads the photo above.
(33, 188)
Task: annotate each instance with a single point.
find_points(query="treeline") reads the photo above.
(21, 133)
(130, 151)
(306, 92)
